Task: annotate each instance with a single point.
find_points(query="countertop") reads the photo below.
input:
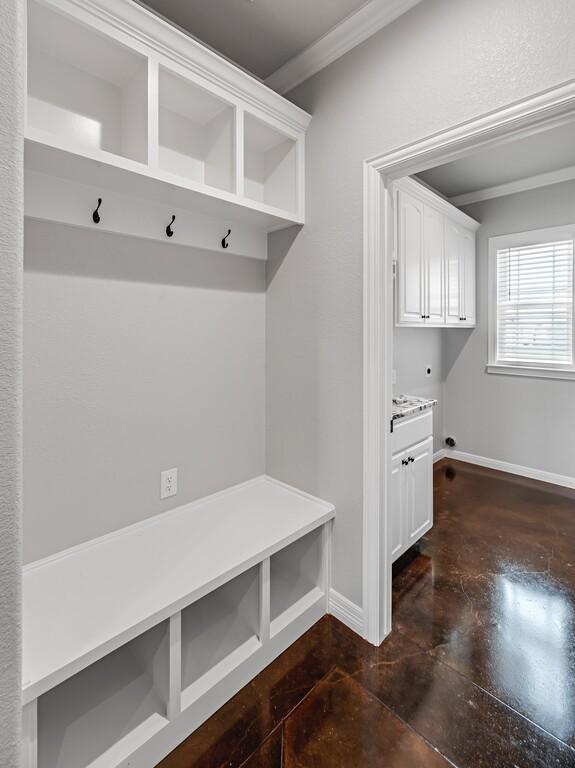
(410, 405)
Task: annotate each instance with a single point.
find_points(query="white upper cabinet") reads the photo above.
(410, 239)
(435, 274)
(433, 238)
(124, 103)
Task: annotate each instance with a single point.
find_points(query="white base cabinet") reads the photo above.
(411, 497)
(435, 260)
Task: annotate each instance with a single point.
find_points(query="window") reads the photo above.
(531, 303)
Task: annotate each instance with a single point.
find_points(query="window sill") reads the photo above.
(534, 373)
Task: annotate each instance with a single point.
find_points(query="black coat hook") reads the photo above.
(224, 239)
(96, 215)
(169, 230)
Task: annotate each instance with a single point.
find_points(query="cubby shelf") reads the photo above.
(295, 573)
(108, 109)
(219, 632)
(98, 717)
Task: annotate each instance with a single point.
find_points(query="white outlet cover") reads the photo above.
(168, 483)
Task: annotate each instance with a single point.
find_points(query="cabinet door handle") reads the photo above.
(410, 459)
(405, 462)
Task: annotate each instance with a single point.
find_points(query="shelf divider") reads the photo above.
(30, 735)
(153, 113)
(264, 632)
(175, 667)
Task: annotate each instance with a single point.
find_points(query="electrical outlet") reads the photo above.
(168, 483)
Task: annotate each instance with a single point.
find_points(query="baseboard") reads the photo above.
(440, 454)
(345, 611)
(514, 469)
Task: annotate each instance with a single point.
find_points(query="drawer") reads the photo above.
(410, 430)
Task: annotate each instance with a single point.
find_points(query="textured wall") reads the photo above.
(444, 62)
(11, 211)
(139, 357)
(521, 420)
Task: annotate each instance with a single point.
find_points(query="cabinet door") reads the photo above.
(468, 281)
(410, 257)
(453, 273)
(419, 490)
(434, 284)
(397, 525)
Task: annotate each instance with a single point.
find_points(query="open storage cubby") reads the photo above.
(219, 631)
(295, 573)
(85, 90)
(270, 165)
(197, 133)
(100, 715)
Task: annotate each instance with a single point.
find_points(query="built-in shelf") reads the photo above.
(140, 655)
(112, 107)
(98, 717)
(219, 632)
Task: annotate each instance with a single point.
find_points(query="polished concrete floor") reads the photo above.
(479, 670)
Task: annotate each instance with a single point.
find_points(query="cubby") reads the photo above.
(295, 577)
(85, 90)
(197, 133)
(270, 165)
(99, 716)
(219, 631)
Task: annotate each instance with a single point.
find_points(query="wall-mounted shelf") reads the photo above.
(119, 101)
(120, 664)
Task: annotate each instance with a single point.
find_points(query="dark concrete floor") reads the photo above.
(479, 670)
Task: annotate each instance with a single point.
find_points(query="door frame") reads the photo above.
(536, 113)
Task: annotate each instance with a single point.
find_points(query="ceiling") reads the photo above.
(259, 35)
(543, 152)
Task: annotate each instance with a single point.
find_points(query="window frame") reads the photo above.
(518, 240)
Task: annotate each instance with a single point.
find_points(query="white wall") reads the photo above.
(525, 421)
(444, 62)
(139, 357)
(11, 211)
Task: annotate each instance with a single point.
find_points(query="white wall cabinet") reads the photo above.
(435, 266)
(411, 493)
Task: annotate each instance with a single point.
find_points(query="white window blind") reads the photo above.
(535, 304)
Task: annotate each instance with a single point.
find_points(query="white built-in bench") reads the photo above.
(134, 639)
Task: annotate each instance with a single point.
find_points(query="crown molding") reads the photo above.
(432, 198)
(513, 187)
(352, 31)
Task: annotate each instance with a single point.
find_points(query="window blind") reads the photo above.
(535, 304)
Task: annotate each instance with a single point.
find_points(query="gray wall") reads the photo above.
(444, 62)
(414, 349)
(139, 357)
(11, 211)
(524, 421)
